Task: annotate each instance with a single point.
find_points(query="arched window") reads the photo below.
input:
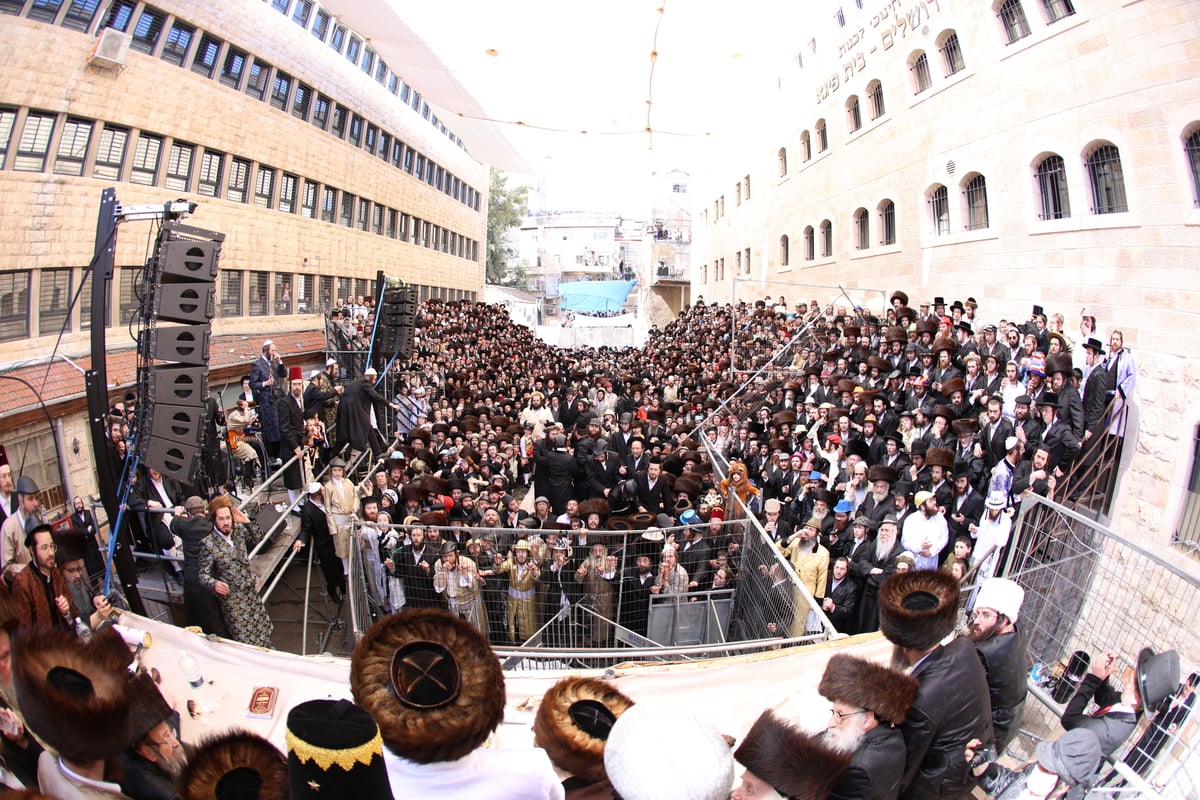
(939, 210)
(853, 114)
(1052, 188)
(952, 57)
(887, 222)
(1012, 19)
(805, 147)
(875, 96)
(1057, 9)
(1191, 148)
(783, 162)
(826, 239)
(822, 136)
(1107, 180)
(862, 229)
(810, 247)
(918, 65)
(975, 196)
(784, 251)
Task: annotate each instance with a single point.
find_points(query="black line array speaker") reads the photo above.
(183, 301)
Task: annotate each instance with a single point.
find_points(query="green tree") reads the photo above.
(506, 208)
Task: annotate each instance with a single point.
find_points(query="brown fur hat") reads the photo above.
(433, 484)
(859, 682)
(689, 482)
(147, 706)
(785, 417)
(573, 723)
(882, 472)
(436, 519)
(918, 609)
(595, 505)
(940, 457)
(953, 385)
(74, 696)
(437, 720)
(235, 764)
(796, 763)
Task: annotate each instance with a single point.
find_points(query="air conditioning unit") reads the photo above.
(110, 49)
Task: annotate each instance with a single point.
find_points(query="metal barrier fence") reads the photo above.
(1090, 589)
(595, 605)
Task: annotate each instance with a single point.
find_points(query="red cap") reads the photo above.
(295, 374)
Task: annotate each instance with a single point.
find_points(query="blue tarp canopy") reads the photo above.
(595, 296)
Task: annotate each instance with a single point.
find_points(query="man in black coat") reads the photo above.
(354, 412)
(267, 377)
(917, 610)
(1058, 439)
(314, 530)
(200, 607)
(561, 471)
(994, 434)
(289, 413)
(652, 488)
(415, 563)
(841, 597)
(873, 563)
(694, 555)
(635, 594)
(965, 509)
(1001, 646)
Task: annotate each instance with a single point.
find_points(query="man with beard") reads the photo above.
(40, 591)
(869, 701)
(917, 610)
(537, 414)
(879, 503)
(13, 554)
(225, 570)
(872, 568)
(810, 560)
(965, 508)
(314, 530)
(841, 599)
(71, 547)
(457, 580)
(523, 577)
(652, 488)
(83, 519)
(694, 554)
(266, 378)
(1027, 427)
(991, 534)
(414, 563)
(1001, 646)
(995, 433)
(155, 758)
(289, 416)
(926, 532)
(782, 760)
(200, 607)
(354, 412)
(635, 595)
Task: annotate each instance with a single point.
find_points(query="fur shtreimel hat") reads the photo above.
(334, 750)
(75, 697)
(886, 692)
(596, 505)
(236, 765)
(794, 762)
(573, 723)
(431, 682)
(147, 706)
(918, 609)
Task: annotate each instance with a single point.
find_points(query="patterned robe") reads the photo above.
(245, 615)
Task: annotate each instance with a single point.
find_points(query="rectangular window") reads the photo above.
(402, 234)
(80, 14)
(129, 292)
(85, 304)
(260, 286)
(234, 68)
(287, 193)
(377, 219)
(110, 155)
(148, 29)
(385, 145)
(145, 160)
(368, 61)
(308, 201)
(353, 49)
(302, 101)
(304, 294)
(178, 40)
(320, 116)
(256, 82)
(362, 288)
(356, 130)
(338, 40)
(264, 187)
(746, 186)
(179, 167)
(302, 12)
(73, 147)
(440, 176)
(393, 222)
(328, 204)
(211, 163)
(54, 297)
(347, 215)
(280, 5)
(364, 213)
(229, 283)
(119, 15)
(426, 229)
(340, 117)
(320, 26)
(325, 293)
(409, 153)
(381, 72)
(283, 293)
(281, 88)
(239, 180)
(41, 10)
(205, 60)
(34, 144)
(416, 230)
(15, 305)
(372, 138)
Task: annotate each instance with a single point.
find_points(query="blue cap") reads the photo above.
(690, 517)
(815, 476)
(843, 507)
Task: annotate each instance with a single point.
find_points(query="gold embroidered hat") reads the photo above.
(334, 749)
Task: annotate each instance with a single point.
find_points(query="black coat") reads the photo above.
(418, 584)
(860, 567)
(291, 436)
(200, 606)
(653, 500)
(265, 396)
(1095, 399)
(1113, 728)
(1006, 663)
(354, 414)
(951, 709)
(1061, 445)
(561, 473)
(876, 768)
(992, 437)
(845, 603)
(694, 561)
(971, 511)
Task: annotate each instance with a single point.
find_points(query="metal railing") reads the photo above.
(1090, 589)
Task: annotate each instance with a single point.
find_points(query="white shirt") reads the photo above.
(483, 774)
(918, 528)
